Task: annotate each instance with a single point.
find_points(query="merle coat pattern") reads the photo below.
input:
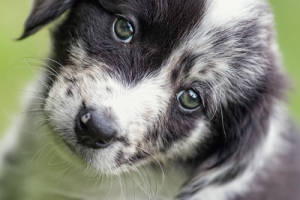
(107, 122)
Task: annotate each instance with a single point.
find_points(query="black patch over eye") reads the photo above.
(123, 30)
(189, 99)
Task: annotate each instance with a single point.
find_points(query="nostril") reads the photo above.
(100, 143)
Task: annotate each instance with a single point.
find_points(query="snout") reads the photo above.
(94, 128)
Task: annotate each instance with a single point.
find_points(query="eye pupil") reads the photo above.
(188, 99)
(123, 30)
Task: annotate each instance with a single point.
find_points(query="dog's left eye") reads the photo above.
(189, 99)
(123, 30)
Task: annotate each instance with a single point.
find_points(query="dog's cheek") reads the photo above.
(179, 131)
(193, 142)
(62, 104)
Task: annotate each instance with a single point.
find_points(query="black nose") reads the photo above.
(94, 129)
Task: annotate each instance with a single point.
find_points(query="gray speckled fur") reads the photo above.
(239, 145)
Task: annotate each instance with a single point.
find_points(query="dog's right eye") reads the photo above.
(123, 30)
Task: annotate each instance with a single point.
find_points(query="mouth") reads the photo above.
(92, 143)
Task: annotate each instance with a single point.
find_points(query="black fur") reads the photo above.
(236, 128)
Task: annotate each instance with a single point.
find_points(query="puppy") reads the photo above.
(156, 99)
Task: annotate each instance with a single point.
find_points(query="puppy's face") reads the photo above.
(141, 81)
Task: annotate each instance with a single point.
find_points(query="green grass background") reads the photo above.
(15, 73)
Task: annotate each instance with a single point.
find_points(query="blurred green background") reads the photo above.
(15, 73)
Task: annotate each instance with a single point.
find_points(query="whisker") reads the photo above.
(111, 184)
(160, 166)
(125, 182)
(121, 186)
(42, 82)
(38, 152)
(223, 126)
(136, 179)
(133, 185)
(149, 181)
(49, 59)
(64, 171)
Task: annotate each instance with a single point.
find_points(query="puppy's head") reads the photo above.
(135, 81)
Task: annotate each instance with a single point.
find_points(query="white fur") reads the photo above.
(129, 104)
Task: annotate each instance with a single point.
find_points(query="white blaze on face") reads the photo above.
(135, 109)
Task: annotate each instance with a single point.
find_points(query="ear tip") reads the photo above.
(27, 32)
(23, 36)
(43, 13)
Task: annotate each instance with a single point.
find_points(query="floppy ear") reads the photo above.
(43, 12)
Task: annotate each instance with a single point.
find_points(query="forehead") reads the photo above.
(160, 25)
(183, 12)
(161, 22)
(155, 7)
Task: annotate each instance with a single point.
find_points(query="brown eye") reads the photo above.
(189, 99)
(123, 30)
